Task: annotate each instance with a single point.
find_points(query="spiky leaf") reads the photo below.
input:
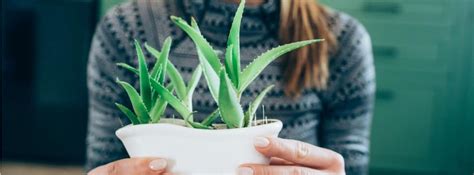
(163, 61)
(128, 67)
(230, 109)
(145, 88)
(171, 99)
(177, 80)
(256, 67)
(230, 67)
(234, 39)
(138, 106)
(200, 42)
(192, 84)
(159, 107)
(253, 106)
(157, 56)
(211, 118)
(131, 116)
(212, 78)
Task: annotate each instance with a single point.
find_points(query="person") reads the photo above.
(324, 93)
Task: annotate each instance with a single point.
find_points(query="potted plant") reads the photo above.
(191, 146)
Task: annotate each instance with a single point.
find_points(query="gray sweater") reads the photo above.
(338, 118)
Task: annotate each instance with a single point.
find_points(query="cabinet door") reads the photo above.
(413, 11)
(403, 127)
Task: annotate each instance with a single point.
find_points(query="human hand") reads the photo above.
(132, 166)
(295, 158)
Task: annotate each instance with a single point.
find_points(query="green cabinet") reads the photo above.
(420, 56)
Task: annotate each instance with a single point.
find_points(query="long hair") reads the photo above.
(306, 67)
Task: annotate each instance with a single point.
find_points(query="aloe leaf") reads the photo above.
(154, 94)
(128, 67)
(157, 56)
(163, 60)
(131, 116)
(138, 106)
(192, 84)
(256, 67)
(211, 76)
(159, 107)
(230, 109)
(153, 51)
(171, 99)
(229, 66)
(234, 39)
(177, 80)
(211, 118)
(157, 110)
(200, 41)
(253, 106)
(197, 125)
(145, 88)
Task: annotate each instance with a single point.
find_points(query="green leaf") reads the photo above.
(211, 118)
(256, 67)
(234, 39)
(200, 41)
(230, 109)
(255, 104)
(153, 51)
(192, 84)
(159, 107)
(177, 80)
(172, 100)
(163, 60)
(137, 103)
(129, 68)
(131, 116)
(145, 88)
(211, 76)
(197, 125)
(157, 56)
(154, 94)
(158, 110)
(229, 66)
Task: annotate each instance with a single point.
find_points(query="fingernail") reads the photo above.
(245, 171)
(158, 164)
(261, 142)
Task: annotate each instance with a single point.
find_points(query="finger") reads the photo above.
(254, 169)
(280, 161)
(299, 152)
(132, 166)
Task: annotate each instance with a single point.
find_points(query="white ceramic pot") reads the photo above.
(197, 151)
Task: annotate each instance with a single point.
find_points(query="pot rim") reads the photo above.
(148, 129)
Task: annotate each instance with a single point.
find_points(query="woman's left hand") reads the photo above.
(294, 158)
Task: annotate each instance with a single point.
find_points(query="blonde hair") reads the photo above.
(306, 67)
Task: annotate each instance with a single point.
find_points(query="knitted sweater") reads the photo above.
(337, 118)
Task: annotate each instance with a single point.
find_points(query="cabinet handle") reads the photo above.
(382, 7)
(386, 52)
(386, 95)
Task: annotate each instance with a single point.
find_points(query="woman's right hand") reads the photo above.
(132, 166)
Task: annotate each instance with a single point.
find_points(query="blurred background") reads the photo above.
(424, 55)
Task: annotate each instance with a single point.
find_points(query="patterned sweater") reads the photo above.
(337, 118)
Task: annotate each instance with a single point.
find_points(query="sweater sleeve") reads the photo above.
(349, 100)
(104, 118)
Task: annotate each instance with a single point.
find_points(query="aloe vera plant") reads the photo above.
(226, 81)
